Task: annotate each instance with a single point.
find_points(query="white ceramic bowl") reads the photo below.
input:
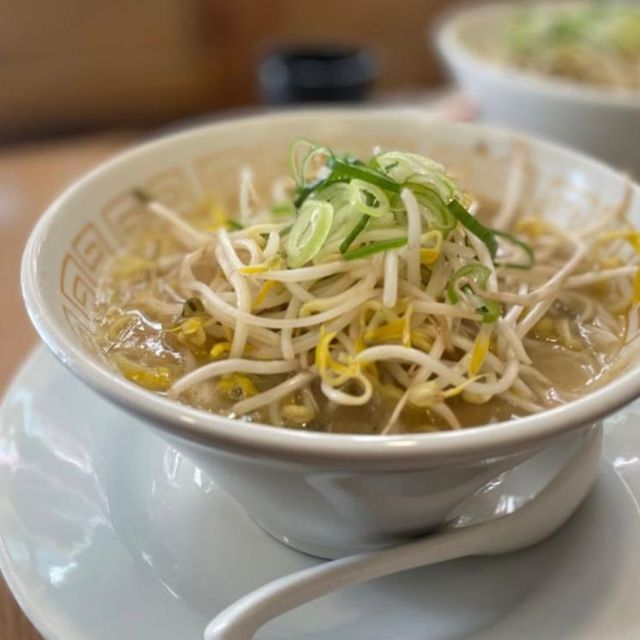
(321, 493)
(603, 122)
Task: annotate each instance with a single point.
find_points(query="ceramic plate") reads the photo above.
(106, 532)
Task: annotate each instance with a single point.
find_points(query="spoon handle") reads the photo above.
(244, 617)
(528, 525)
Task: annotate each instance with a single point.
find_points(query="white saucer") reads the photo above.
(107, 533)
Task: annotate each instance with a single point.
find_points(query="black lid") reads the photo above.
(317, 73)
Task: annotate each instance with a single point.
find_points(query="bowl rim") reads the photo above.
(453, 48)
(355, 451)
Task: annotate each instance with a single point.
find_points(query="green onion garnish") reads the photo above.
(302, 193)
(375, 247)
(350, 186)
(475, 226)
(299, 162)
(438, 214)
(361, 225)
(489, 309)
(369, 199)
(523, 245)
(297, 157)
(342, 169)
(234, 226)
(282, 209)
(309, 232)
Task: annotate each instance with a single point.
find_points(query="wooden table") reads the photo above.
(30, 177)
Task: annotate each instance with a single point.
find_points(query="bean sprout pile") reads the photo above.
(590, 42)
(372, 283)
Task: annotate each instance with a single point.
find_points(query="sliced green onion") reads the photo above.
(388, 168)
(342, 169)
(337, 193)
(412, 167)
(345, 218)
(389, 220)
(308, 232)
(528, 263)
(354, 233)
(396, 203)
(302, 193)
(475, 226)
(298, 165)
(375, 247)
(322, 184)
(438, 215)
(283, 209)
(489, 309)
(477, 272)
(312, 154)
(301, 153)
(298, 151)
(234, 226)
(368, 198)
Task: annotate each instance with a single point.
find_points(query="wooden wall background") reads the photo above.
(78, 64)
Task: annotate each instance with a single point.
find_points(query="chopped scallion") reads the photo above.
(308, 232)
(342, 169)
(459, 281)
(375, 247)
(475, 226)
(438, 214)
(354, 233)
(282, 209)
(529, 261)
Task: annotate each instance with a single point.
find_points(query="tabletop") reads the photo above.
(30, 177)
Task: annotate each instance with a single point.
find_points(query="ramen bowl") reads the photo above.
(598, 120)
(325, 494)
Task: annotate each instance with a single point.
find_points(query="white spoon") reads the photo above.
(531, 523)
